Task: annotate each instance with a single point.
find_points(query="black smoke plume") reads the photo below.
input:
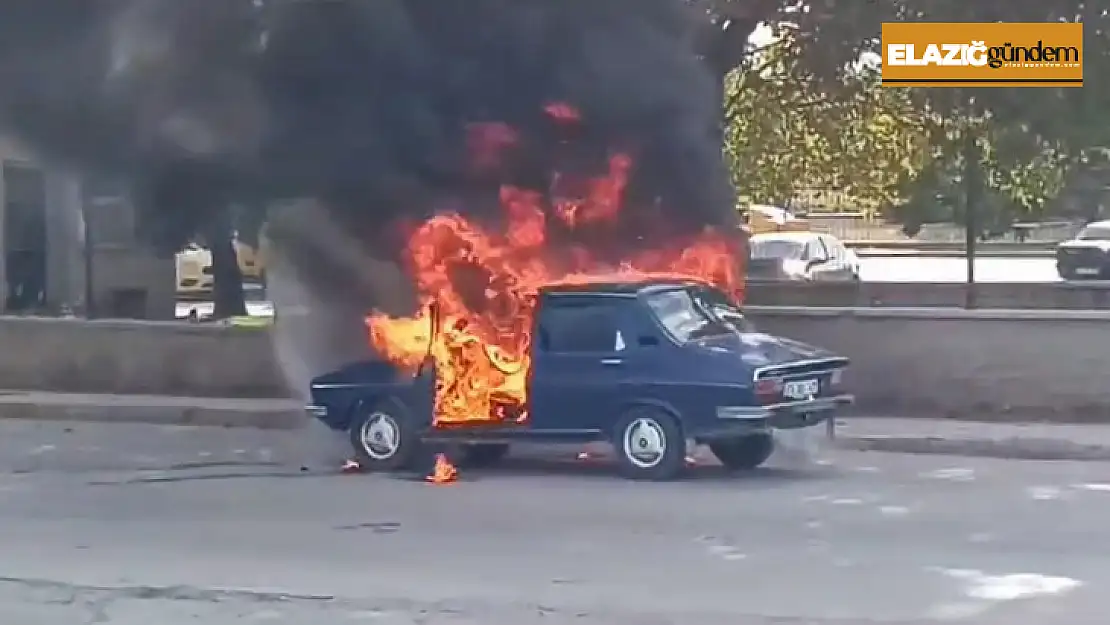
(361, 104)
(362, 111)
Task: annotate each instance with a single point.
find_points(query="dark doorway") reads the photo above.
(24, 237)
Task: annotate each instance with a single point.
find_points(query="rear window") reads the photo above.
(689, 314)
(1094, 233)
(776, 249)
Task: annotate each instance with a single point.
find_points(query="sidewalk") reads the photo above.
(1028, 441)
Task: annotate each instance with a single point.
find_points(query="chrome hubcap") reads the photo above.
(645, 443)
(380, 436)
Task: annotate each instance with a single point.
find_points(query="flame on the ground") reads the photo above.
(351, 466)
(443, 472)
(484, 283)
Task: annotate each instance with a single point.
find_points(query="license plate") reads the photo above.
(800, 389)
(1087, 271)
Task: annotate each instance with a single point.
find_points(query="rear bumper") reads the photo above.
(804, 413)
(1072, 265)
(320, 412)
(782, 416)
(787, 409)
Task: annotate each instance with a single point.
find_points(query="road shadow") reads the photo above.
(595, 466)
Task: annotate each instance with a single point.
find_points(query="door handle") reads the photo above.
(611, 361)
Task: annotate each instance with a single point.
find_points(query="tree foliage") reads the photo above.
(831, 35)
(804, 117)
(786, 135)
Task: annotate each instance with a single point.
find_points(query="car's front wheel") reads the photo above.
(383, 436)
(649, 444)
(745, 452)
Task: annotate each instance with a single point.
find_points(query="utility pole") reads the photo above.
(972, 188)
(89, 254)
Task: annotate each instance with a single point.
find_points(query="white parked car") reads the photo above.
(803, 256)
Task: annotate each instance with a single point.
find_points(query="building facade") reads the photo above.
(46, 266)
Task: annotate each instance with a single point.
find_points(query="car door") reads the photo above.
(578, 364)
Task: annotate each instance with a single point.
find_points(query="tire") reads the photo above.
(482, 455)
(635, 432)
(383, 436)
(744, 453)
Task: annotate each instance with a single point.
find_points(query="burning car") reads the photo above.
(649, 366)
(555, 319)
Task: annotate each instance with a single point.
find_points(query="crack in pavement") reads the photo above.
(99, 602)
(171, 479)
(175, 593)
(184, 466)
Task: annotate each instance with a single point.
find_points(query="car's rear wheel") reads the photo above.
(383, 436)
(482, 455)
(744, 452)
(649, 444)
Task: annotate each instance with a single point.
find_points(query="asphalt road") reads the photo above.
(203, 528)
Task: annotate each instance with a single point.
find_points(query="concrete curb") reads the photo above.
(230, 413)
(1016, 448)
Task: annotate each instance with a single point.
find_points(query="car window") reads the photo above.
(814, 251)
(833, 248)
(580, 327)
(1094, 233)
(775, 248)
(820, 252)
(683, 316)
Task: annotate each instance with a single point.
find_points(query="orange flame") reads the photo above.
(485, 282)
(444, 472)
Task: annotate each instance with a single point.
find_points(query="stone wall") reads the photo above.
(929, 362)
(140, 357)
(954, 363)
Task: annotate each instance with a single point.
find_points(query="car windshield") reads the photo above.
(696, 313)
(1094, 233)
(776, 248)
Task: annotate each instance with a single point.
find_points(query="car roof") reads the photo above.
(1099, 224)
(629, 288)
(799, 237)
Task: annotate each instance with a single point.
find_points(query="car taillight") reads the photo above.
(768, 389)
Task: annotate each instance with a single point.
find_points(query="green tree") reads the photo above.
(1017, 184)
(785, 134)
(1068, 120)
(831, 35)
